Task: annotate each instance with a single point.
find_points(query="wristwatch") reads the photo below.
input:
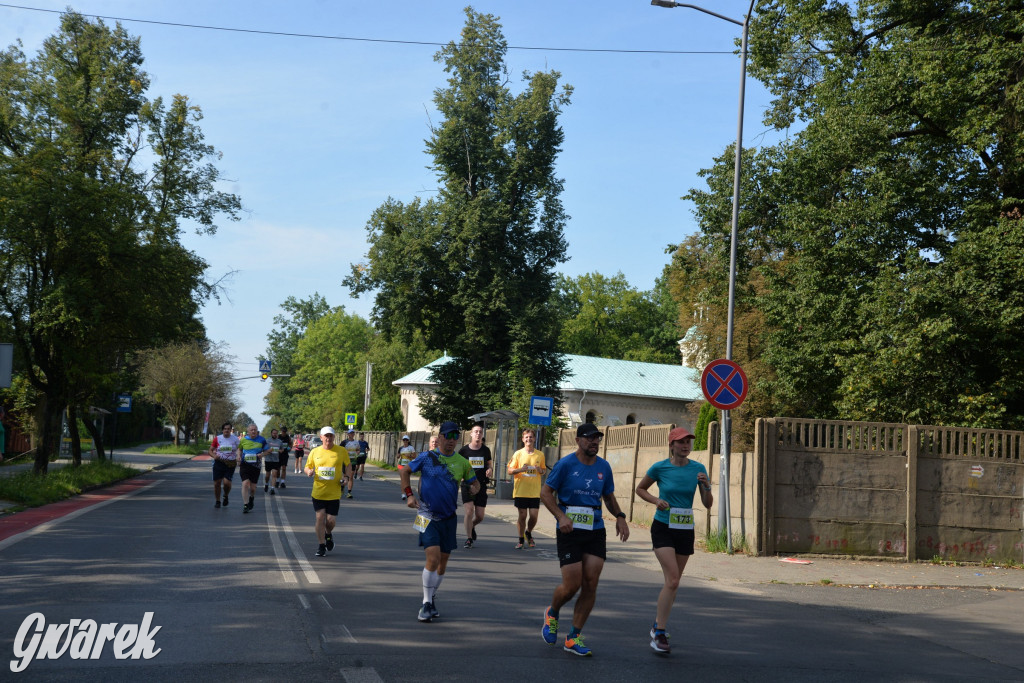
(621, 515)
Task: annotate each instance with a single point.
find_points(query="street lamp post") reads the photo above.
(723, 484)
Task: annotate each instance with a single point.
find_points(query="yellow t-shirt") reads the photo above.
(527, 484)
(328, 467)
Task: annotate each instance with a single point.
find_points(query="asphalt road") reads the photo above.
(241, 597)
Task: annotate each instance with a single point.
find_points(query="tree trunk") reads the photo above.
(97, 439)
(177, 430)
(48, 423)
(76, 439)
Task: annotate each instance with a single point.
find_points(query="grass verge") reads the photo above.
(194, 448)
(716, 542)
(30, 490)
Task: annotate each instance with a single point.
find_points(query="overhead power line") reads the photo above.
(391, 41)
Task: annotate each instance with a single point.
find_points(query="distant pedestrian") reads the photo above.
(362, 454)
(299, 444)
(479, 457)
(351, 444)
(224, 451)
(527, 468)
(272, 462)
(678, 479)
(286, 440)
(581, 481)
(253, 447)
(406, 452)
(330, 466)
(440, 471)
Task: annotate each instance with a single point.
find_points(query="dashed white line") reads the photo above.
(282, 557)
(304, 600)
(293, 543)
(323, 600)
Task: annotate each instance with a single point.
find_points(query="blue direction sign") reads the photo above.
(724, 384)
(541, 408)
(264, 365)
(124, 403)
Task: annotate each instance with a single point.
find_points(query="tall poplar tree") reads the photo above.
(473, 268)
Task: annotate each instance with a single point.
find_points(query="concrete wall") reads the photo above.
(891, 490)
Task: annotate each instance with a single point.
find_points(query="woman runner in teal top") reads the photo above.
(678, 478)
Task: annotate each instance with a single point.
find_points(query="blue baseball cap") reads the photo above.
(448, 426)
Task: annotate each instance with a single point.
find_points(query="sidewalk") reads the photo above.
(734, 572)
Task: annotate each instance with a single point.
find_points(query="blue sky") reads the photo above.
(316, 133)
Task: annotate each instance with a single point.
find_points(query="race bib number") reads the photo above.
(582, 518)
(476, 462)
(680, 518)
(325, 473)
(251, 457)
(420, 523)
(226, 449)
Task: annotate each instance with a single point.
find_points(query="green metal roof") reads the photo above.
(608, 376)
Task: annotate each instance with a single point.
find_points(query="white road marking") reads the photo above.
(324, 601)
(304, 600)
(46, 526)
(337, 632)
(282, 557)
(293, 543)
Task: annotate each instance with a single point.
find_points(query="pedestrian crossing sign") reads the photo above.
(264, 365)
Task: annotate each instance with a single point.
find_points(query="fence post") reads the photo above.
(768, 486)
(912, 446)
(632, 477)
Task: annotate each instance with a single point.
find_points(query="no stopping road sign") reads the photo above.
(724, 384)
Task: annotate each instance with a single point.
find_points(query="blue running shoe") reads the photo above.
(576, 646)
(550, 629)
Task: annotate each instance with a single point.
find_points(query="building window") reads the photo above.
(631, 419)
(405, 412)
(591, 416)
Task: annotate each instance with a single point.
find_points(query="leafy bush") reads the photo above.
(30, 489)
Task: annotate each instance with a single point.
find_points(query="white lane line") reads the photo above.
(336, 632)
(361, 675)
(323, 600)
(282, 557)
(304, 600)
(293, 543)
(46, 526)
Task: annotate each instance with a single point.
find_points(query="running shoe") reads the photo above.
(216, 503)
(469, 543)
(265, 487)
(426, 614)
(321, 550)
(659, 643)
(282, 485)
(519, 545)
(272, 492)
(225, 502)
(550, 628)
(330, 542)
(529, 540)
(245, 509)
(349, 495)
(576, 646)
(654, 629)
(433, 608)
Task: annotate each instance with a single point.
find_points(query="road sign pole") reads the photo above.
(725, 386)
(724, 512)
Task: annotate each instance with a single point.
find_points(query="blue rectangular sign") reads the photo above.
(541, 408)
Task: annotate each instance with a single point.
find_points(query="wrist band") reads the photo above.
(408, 490)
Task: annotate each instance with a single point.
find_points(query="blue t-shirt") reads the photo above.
(439, 484)
(364, 447)
(582, 485)
(677, 485)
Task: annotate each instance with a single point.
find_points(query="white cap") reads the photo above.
(327, 430)
(405, 436)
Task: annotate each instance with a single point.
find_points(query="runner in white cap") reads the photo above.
(330, 465)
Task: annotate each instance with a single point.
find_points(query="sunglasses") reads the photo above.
(452, 435)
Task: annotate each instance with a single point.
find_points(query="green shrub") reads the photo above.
(29, 489)
(194, 448)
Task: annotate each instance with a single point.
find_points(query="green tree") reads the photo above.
(297, 315)
(181, 378)
(880, 245)
(472, 269)
(606, 317)
(91, 264)
(330, 368)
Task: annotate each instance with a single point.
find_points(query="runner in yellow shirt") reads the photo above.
(330, 466)
(527, 467)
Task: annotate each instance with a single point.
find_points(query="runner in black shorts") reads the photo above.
(678, 478)
(287, 440)
(479, 457)
(582, 481)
